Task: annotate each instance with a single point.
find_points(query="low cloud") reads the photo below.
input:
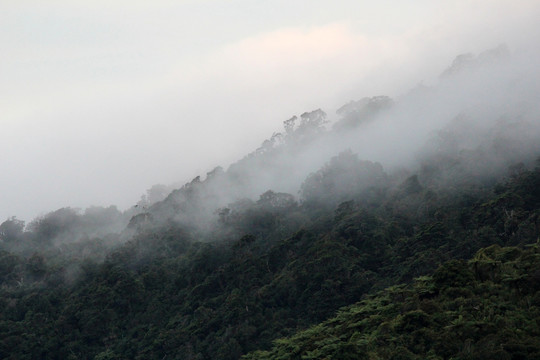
(98, 122)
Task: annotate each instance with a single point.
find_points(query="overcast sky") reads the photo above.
(99, 100)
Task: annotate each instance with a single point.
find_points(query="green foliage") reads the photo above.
(492, 321)
(275, 267)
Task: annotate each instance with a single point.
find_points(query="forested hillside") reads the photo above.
(430, 252)
(164, 293)
(486, 308)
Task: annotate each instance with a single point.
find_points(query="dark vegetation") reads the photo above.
(486, 308)
(206, 273)
(166, 294)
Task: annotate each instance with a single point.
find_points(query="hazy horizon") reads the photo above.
(100, 102)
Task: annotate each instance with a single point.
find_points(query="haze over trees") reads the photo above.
(408, 228)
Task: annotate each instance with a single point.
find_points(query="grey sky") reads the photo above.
(99, 100)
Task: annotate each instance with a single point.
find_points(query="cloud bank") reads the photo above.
(100, 102)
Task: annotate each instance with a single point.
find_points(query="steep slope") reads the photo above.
(486, 308)
(316, 219)
(166, 294)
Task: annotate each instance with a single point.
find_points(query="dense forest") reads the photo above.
(484, 308)
(301, 250)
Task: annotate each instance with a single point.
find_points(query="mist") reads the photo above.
(86, 124)
(197, 179)
(480, 118)
(482, 114)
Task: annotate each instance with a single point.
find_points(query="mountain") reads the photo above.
(418, 217)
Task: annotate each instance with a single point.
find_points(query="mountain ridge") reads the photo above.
(282, 239)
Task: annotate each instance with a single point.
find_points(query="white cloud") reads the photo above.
(102, 100)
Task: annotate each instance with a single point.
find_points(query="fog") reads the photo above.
(101, 102)
(483, 113)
